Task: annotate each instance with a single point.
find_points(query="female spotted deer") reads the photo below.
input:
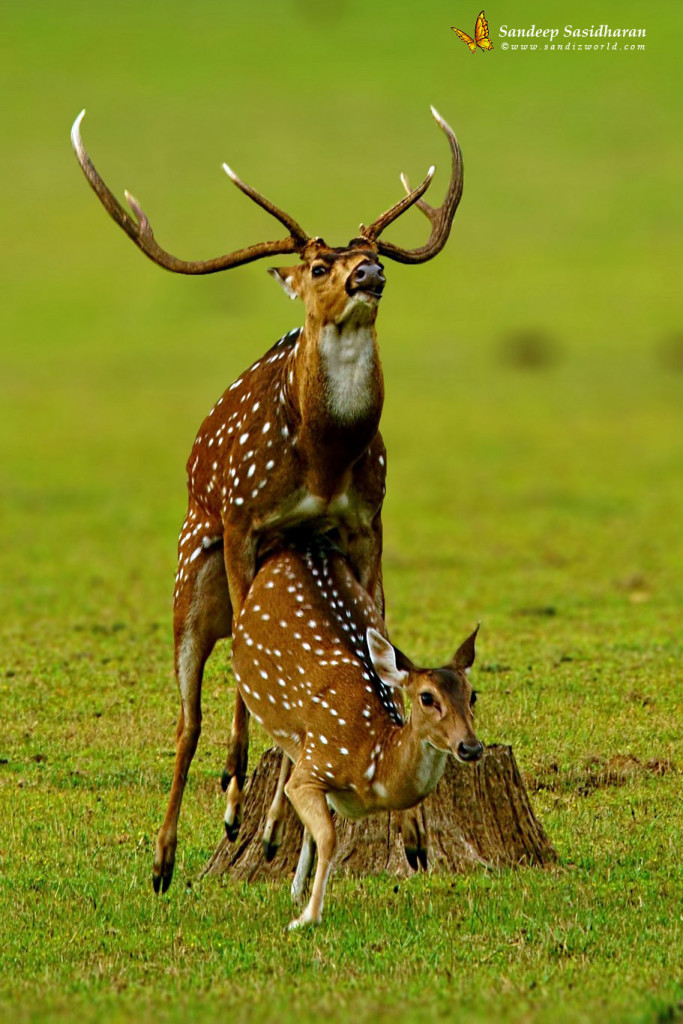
(294, 440)
(315, 669)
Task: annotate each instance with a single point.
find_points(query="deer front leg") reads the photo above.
(414, 834)
(240, 564)
(309, 802)
(365, 555)
(272, 833)
(303, 868)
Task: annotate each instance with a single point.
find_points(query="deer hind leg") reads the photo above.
(240, 553)
(378, 594)
(238, 744)
(365, 556)
(309, 802)
(202, 615)
(235, 771)
(272, 833)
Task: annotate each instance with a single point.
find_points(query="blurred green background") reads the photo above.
(534, 382)
(564, 255)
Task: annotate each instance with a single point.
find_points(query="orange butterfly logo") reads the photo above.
(481, 35)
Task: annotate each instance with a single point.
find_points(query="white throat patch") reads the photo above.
(348, 354)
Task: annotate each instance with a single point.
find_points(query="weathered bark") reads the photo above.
(478, 815)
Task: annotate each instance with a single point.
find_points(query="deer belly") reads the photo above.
(346, 803)
(306, 507)
(270, 711)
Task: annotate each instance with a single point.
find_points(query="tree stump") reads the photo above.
(478, 815)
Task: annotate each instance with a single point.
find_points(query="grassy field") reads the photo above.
(534, 377)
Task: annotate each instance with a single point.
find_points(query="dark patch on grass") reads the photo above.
(100, 629)
(598, 773)
(529, 349)
(671, 1014)
(636, 587)
(645, 701)
(670, 351)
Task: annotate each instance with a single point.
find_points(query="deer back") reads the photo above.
(301, 661)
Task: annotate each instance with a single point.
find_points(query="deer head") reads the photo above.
(336, 285)
(442, 699)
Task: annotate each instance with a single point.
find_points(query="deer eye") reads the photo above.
(473, 698)
(319, 270)
(427, 700)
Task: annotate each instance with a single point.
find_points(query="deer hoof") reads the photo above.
(301, 922)
(162, 879)
(272, 837)
(232, 830)
(269, 849)
(416, 857)
(233, 820)
(164, 862)
(411, 857)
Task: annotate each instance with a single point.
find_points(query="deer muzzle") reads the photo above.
(470, 751)
(367, 277)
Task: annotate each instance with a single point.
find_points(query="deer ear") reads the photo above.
(384, 659)
(403, 662)
(464, 656)
(288, 278)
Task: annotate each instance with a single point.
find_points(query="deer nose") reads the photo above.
(367, 277)
(470, 751)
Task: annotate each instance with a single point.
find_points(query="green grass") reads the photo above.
(543, 501)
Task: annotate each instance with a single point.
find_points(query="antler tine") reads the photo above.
(295, 230)
(441, 217)
(374, 230)
(140, 231)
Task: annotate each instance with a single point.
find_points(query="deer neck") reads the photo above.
(340, 390)
(410, 768)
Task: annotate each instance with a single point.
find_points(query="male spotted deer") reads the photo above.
(315, 669)
(293, 441)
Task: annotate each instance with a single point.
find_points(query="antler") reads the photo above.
(441, 217)
(384, 220)
(140, 230)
